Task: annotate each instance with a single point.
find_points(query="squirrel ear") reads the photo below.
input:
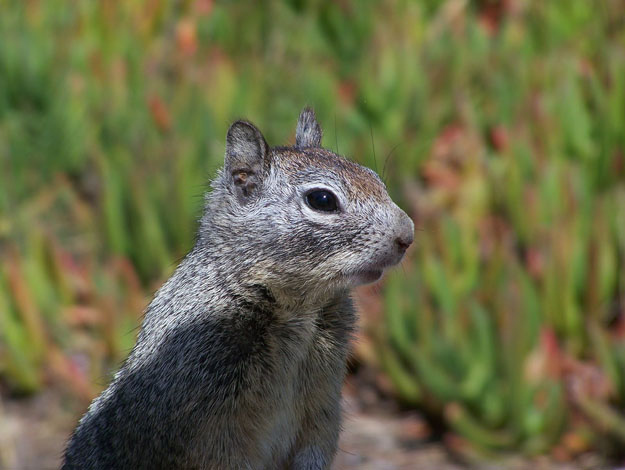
(247, 159)
(308, 132)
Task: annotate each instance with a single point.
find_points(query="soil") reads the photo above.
(376, 435)
(33, 432)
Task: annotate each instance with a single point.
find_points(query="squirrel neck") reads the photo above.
(235, 278)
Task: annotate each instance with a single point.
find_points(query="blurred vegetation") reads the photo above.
(500, 125)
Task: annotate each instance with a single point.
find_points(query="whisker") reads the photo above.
(375, 163)
(377, 289)
(386, 161)
(336, 137)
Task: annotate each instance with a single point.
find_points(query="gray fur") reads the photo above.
(241, 355)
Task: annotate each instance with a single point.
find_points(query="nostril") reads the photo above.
(403, 243)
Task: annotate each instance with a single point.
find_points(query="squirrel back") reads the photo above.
(241, 356)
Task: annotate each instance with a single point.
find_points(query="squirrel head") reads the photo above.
(300, 219)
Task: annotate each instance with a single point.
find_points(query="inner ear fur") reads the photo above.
(308, 132)
(247, 159)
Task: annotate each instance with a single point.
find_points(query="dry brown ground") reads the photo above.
(376, 436)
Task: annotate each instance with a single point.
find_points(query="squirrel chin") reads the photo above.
(373, 272)
(360, 278)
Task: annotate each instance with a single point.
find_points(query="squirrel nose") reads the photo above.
(406, 234)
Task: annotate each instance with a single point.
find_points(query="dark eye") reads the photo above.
(322, 200)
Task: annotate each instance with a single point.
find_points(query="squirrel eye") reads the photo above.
(322, 200)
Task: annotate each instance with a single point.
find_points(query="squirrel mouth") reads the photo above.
(366, 276)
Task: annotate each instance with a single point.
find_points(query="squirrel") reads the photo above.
(241, 355)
